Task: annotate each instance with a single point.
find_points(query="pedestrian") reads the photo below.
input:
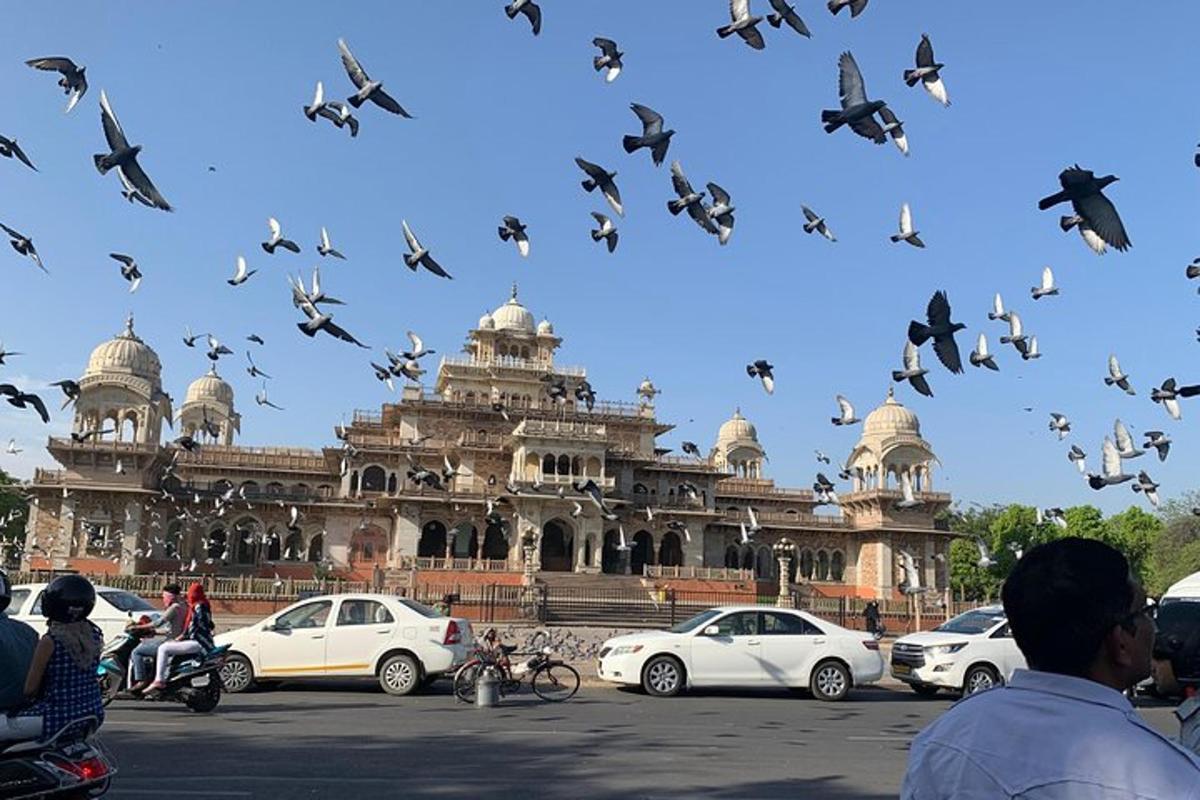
(871, 613)
(1062, 728)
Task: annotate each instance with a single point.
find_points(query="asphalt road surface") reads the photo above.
(349, 740)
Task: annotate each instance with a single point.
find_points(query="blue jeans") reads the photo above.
(146, 650)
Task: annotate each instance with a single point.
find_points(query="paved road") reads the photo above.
(348, 740)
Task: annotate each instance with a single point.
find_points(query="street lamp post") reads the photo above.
(784, 550)
(528, 548)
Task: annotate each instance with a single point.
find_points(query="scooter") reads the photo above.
(72, 763)
(193, 679)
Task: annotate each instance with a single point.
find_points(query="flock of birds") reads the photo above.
(1093, 217)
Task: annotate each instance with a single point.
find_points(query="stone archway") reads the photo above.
(464, 540)
(558, 551)
(642, 552)
(316, 548)
(670, 550)
(495, 543)
(433, 540)
(610, 556)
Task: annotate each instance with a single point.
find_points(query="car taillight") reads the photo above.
(870, 644)
(453, 634)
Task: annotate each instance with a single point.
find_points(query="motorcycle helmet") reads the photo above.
(5, 592)
(1178, 640)
(68, 598)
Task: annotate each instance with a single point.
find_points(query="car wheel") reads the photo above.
(830, 681)
(400, 675)
(925, 689)
(237, 675)
(662, 677)
(978, 678)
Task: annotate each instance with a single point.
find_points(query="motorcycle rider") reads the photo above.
(173, 617)
(1178, 642)
(17, 643)
(62, 677)
(197, 636)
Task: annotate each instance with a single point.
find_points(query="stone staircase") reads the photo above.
(618, 601)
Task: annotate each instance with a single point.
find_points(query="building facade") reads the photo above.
(455, 477)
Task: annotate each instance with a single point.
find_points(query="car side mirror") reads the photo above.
(277, 627)
(711, 630)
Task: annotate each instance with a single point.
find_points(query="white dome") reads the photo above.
(737, 429)
(125, 354)
(890, 419)
(486, 323)
(512, 316)
(210, 388)
(544, 328)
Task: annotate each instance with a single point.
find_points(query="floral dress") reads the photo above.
(68, 692)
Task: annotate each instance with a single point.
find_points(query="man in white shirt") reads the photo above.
(1062, 728)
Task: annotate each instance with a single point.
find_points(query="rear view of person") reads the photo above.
(197, 636)
(17, 644)
(1178, 644)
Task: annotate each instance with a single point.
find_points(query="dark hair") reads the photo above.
(1062, 599)
(173, 588)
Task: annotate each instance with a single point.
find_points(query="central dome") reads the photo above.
(737, 429)
(512, 316)
(125, 354)
(891, 418)
(210, 387)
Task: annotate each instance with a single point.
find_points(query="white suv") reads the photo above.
(972, 652)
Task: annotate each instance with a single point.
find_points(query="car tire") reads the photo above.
(925, 689)
(400, 675)
(237, 673)
(980, 677)
(662, 676)
(830, 681)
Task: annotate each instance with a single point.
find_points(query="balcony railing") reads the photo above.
(759, 488)
(702, 573)
(769, 518)
(460, 564)
(279, 458)
(508, 362)
(573, 429)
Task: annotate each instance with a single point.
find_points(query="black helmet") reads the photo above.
(68, 598)
(5, 592)
(1178, 640)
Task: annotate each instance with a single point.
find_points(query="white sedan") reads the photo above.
(398, 641)
(114, 608)
(745, 646)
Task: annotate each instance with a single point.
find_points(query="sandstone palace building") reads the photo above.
(129, 500)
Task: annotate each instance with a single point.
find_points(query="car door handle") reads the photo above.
(753, 641)
(818, 641)
(383, 633)
(318, 636)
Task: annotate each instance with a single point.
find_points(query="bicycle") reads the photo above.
(551, 679)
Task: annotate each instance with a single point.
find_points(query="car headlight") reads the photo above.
(945, 649)
(625, 649)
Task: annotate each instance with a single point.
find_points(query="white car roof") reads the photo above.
(98, 587)
(1188, 587)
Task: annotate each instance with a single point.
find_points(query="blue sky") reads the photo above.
(500, 115)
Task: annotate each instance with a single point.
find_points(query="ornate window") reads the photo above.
(806, 564)
(374, 479)
(822, 573)
(837, 565)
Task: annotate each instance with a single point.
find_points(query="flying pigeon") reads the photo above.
(691, 449)
(721, 212)
(980, 357)
(10, 149)
(1116, 377)
(907, 234)
(189, 338)
(1124, 441)
(367, 88)
(941, 330)
(814, 222)
(822, 458)
(1055, 516)
(254, 337)
(530, 9)
(913, 372)
(825, 490)
(689, 199)
(894, 128)
(130, 192)
(6, 353)
(1085, 192)
(1016, 331)
(1028, 348)
(846, 412)
(318, 321)
(339, 114)
(763, 370)
(70, 390)
(384, 374)
(609, 58)
(71, 77)
(594, 494)
(513, 229)
(607, 231)
(1193, 269)
(276, 239)
(129, 270)
(1076, 455)
(985, 558)
(856, 6)
(417, 345)
(908, 498)
(1047, 288)
(1169, 393)
(324, 248)
(744, 24)
(261, 399)
(418, 255)
(598, 176)
(242, 275)
(857, 111)
(1089, 236)
(1060, 424)
(1159, 441)
(1147, 487)
(12, 449)
(653, 136)
(123, 157)
(585, 394)
(24, 245)
(312, 109)
(928, 72)
(19, 399)
(253, 371)
(785, 13)
(998, 311)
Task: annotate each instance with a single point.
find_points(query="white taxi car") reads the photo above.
(114, 608)
(745, 646)
(972, 652)
(399, 641)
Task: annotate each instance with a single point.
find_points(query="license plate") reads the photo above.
(901, 669)
(201, 680)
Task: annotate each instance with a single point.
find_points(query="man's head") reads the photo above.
(1074, 609)
(5, 592)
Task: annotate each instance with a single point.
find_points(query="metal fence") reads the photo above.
(241, 587)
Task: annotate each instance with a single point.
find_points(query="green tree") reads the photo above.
(1134, 533)
(14, 512)
(1175, 554)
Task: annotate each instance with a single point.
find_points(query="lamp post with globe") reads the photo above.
(529, 549)
(784, 550)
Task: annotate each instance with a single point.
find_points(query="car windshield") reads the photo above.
(125, 601)
(420, 608)
(19, 596)
(972, 622)
(695, 622)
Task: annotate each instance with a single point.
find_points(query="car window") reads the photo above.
(19, 596)
(125, 601)
(420, 608)
(742, 623)
(309, 615)
(692, 623)
(1003, 632)
(972, 622)
(779, 624)
(363, 612)
(37, 604)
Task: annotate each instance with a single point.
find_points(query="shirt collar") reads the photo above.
(1071, 687)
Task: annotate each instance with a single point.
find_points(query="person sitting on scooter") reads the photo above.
(197, 636)
(174, 614)
(62, 681)
(17, 643)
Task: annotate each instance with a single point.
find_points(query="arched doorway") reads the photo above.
(495, 543)
(316, 548)
(731, 557)
(765, 564)
(247, 535)
(217, 547)
(274, 543)
(610, 556)
(642, 553)
(670, 551)
(589, 544)
(373, 479)
(558, 552)
(748, 559)
(464, 541)
(433, 540)
(293, 547)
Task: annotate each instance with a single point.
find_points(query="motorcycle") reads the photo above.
(72, 763)
(193, 679)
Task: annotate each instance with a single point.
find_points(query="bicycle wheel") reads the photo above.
(464, 681)
(556, 682)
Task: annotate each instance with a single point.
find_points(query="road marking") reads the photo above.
(120, 790)
(132, 723)
(880, 738)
